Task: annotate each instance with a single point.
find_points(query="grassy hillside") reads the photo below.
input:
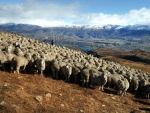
(133, 55)
(26, 93)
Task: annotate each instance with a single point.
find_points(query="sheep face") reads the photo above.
(42, 63)
(69, 69)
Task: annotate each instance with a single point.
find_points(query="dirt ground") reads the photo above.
(27, 93)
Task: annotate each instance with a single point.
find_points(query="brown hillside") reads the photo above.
(134, 55)
(26, 93)
(141, 66)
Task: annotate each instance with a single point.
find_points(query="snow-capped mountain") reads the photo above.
(109, 26)
(129, 27)
(78, 31)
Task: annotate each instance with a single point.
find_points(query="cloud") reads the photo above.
(50, 14)
(140, 16)
(34, 12)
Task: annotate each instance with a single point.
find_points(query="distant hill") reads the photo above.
(85, 31)
(133, 55)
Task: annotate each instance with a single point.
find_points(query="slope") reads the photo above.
(26, 93)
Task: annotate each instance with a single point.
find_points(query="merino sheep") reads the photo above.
(19, 61)
(5, 57)
(113, 79)
(85, 74)
(40, 64)
(55, 68)
(134, 84)
(67, 71)
(123, 86)
(142, 84)
(146, 90)
(99, 78)
(2, 60)
(76, 73)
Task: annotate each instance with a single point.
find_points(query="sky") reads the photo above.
(47, 13)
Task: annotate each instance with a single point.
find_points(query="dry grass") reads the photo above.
(19, 92)
(137, 65)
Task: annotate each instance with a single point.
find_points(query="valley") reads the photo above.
(87, 37)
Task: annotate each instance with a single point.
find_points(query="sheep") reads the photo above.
(142, 84)
(75, 72)
(40, 64)
(99, 78)
(3, 59)
(128, 76)
(146, 90)
(32, 63)
(19, 61)
(18, 52)
(51, 56)
(123, 86)
(8, 48)
(55, 68)
(113, 78)
(134, 84)
(85, 74)
(67, 71)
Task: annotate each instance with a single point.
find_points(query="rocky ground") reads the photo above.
(26, 93)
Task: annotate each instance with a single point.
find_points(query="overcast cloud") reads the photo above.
(50, 14)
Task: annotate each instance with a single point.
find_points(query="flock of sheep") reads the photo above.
(61, 62)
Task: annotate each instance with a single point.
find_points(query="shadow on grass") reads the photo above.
(142, 102)
(110, 91)
(145, 109)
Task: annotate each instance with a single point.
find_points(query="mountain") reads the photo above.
(87, 37)
(78, 31)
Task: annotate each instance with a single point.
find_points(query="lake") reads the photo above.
(85, 48)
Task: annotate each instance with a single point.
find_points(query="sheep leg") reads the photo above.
(108, 85)
(41, 73)
(130, 88)
(83, 83)
(87, 83)
(119, 92)
(148, 95)
(17, 69)
(92, 84)
(24, 67)
(123, 93)
(3, 65)
(135, 92)
(99, 88)
(102, 87)
(57, 75)
(68, 78)
(75, 78)
(53, 74)
(12, 67)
